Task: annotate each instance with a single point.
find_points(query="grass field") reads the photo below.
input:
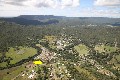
(9, 74)
(18, 55)
(3, 64)
(81, 49)
(103, 48)
(50, 38)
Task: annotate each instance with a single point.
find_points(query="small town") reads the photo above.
(59, 39)
(56, 65)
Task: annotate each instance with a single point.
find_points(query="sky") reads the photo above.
(69, 8)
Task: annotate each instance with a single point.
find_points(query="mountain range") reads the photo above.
(51, 19)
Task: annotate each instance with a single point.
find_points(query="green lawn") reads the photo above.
(103, 48)
(18, 55)
(81, 49)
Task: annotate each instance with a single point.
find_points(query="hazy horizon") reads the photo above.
(58, 15)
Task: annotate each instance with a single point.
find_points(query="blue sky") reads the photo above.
(71, 8)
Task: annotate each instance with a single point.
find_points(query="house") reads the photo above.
(23, 74)
(30, 65)
(31, 76)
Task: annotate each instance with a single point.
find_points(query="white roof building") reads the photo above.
(31, 76)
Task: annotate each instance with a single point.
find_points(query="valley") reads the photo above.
(67, 51)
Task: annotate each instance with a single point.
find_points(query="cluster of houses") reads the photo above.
(99, 67)
(58, 71)
(30, 73)
(46, 55)
(63, 42)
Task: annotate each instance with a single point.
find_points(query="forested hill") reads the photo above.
(23, 21)
(40, 17)
(74, 20)
(62, 20)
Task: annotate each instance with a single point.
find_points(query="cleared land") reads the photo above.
(103, 48)
(50, 38)
(81, 49)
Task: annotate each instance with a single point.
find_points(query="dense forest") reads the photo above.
(12, 34)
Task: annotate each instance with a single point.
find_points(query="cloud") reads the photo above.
(107, 2)
(1, 2)
(14, 2)
(72, 3)
(46, 3)
(42, 3)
